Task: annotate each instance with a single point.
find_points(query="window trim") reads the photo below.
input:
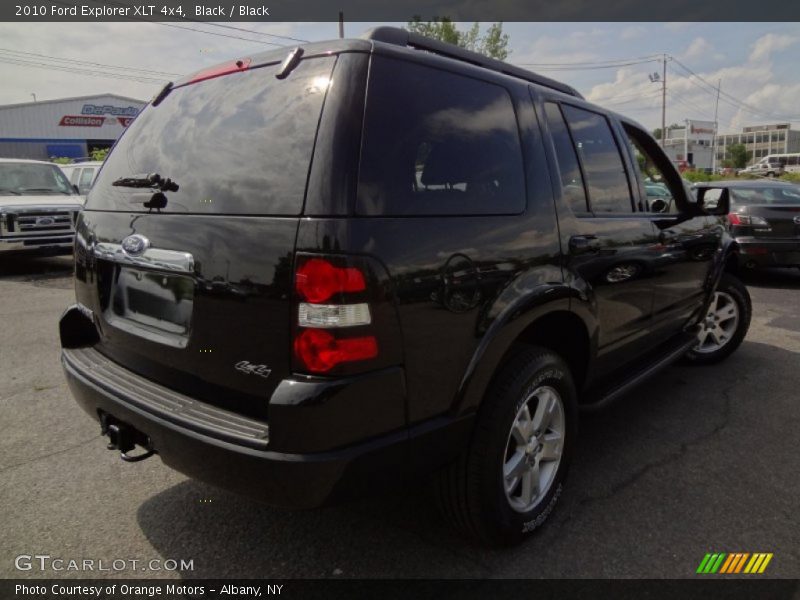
(678, 200)
(623, 159)
(545, 100)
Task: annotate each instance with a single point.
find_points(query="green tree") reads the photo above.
(739, 155)
(99, 154)
(493, 43)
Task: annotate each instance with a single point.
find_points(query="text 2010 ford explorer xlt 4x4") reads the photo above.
(299, 276)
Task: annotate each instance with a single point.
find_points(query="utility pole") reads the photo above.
(716, 131)
(664, 103)
(341, 24)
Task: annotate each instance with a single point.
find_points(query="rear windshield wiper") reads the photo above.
(152, 181)
(10, 191)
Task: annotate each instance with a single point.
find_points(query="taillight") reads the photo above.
(317, 280)
(320, 351)
(747, 220)
(334, 324)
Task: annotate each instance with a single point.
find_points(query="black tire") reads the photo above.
(471, 492)
(735, 289)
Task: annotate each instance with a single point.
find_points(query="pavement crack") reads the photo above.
(640, 473)
(48, 455)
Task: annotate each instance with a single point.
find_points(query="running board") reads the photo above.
(609, 395)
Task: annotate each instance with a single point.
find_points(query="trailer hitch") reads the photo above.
(124, 438)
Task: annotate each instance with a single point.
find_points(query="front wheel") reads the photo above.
(725, 324)
(509, 479)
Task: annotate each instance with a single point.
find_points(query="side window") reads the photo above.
(654, 193)
(602, 163)
(85, 183)
(659, 183)
(572, 185)
(438, 143)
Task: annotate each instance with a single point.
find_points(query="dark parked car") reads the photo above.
(300, 277)
(764, 219)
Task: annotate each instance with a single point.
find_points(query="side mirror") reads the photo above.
(75, 189)
(713, 201)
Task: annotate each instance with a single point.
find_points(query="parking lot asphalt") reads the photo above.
(697, 460)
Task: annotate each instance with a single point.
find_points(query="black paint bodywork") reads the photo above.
(456, 294)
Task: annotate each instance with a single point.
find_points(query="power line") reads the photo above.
(84, 62)
(730, 99)
(27, 63)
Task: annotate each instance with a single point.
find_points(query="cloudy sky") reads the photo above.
(609, 63)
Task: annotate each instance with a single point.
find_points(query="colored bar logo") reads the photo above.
(734, 562)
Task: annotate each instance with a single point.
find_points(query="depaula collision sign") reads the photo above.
(92, 115)
(80, 121)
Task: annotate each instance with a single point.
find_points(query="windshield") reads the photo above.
(771, 195)
(32, 179)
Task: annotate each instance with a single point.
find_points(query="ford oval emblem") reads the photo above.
(135, 245)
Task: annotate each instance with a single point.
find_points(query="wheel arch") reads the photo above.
(553, 316)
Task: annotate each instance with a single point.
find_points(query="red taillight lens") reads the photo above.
(317, 280)
(734, 219)
(320, 351)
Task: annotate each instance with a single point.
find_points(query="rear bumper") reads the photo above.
(755, 252)
(236, 453)
(232, 452)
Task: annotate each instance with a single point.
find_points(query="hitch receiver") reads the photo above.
(124, 438)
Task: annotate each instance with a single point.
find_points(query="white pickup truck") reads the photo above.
(38, 207)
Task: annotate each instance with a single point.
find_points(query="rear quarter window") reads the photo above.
(437, 143)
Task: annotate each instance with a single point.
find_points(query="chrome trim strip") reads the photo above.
(152, 258)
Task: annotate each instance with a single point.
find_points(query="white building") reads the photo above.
(693, 144)
(67, 127)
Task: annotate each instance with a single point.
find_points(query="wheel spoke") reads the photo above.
(551, 447)
(544, 412)
(530, 485)
(727, 312)
(519, 436)
(714, 303)
(515, 466)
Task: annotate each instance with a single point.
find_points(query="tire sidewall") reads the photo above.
(513, 526)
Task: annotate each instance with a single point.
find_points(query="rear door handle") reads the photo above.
(584, 243)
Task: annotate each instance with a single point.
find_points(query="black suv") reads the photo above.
(304, 275)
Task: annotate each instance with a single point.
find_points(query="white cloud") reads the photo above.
(769, 43)
(700, 48)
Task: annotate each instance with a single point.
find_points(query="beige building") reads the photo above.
(761, 140)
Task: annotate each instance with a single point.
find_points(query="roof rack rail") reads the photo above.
(401, 37)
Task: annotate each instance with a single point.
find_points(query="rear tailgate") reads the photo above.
(196, 296)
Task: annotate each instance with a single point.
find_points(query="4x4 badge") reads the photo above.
(251, 369)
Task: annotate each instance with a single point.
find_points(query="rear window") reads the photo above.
(438, 143)
(235, 144)
(754, 196)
